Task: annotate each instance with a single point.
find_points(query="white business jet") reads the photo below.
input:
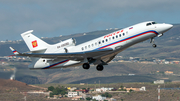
(98, 51)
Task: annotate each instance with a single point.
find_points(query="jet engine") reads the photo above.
(65, 44)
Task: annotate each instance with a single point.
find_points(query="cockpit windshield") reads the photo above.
(154, 22)
(148, 24)
(151, 23)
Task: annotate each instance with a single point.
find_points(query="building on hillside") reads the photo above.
(168, 72)
(176, 62)
(71, 89)
(103, 89)
(110, 99)
(159, 82)
(142, 88)
(99, 98)
(77, 98)
(136, 89)
(73, 94)
(85, 95)
(56, 97)
(82, 90)
(82, 84)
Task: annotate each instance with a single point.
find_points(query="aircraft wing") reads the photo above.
(70, 56)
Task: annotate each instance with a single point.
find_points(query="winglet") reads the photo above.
(14, 51)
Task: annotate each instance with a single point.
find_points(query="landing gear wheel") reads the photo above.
(86, 66)
(99, 67)
(154, 45)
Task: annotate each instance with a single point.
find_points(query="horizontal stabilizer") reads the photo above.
(14, 51)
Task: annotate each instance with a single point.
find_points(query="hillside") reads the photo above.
(112, 73)
(14, 85)
(11, 90)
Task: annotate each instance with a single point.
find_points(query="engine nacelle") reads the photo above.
(65, 44)
(61, 47)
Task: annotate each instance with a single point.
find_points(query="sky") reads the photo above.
(52, 18)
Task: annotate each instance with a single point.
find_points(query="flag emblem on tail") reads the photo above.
(34, 43)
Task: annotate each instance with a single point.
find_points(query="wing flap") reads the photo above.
(70, 56)
(99, 52)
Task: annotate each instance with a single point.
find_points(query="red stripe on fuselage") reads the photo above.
(55, 64)
(129, 38)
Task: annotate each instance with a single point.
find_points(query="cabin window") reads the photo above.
(82, 48)
(95, 43)
(116, 36)
(123, 34)
(119, 35)
(85, 47)
(113, 37)
(99, 42)
(106, 40)
(92, 45)
(44, 60)
(89, 46)
(102, 41)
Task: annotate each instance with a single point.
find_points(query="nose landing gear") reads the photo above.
(152, 41)
(154, 45)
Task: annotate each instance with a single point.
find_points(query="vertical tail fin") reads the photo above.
(33, 42)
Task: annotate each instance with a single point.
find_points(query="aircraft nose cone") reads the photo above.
(169, 26)
(162, 28)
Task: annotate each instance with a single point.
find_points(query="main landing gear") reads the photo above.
(86, 66)
(98, 67)
(152, 41)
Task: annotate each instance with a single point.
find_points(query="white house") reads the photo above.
(159, 82)
(142, 88)
(73, 94)
(99, 98)
(103, 89)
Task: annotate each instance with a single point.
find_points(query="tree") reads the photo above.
(131, 90)
(88, 98)
(106, 95)
(57, 91)
(51, 88)
(122, 87)
(51, 95)
(83, 88)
